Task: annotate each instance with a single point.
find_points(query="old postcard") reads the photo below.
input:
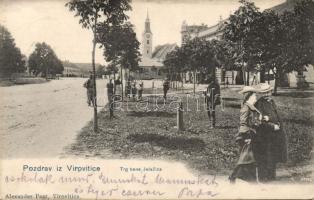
(156, 99)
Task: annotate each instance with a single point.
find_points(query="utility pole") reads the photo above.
(94, 75)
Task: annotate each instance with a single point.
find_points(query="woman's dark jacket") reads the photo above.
(270, 143)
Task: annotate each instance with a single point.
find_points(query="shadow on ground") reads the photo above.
(299, 94)
(174, 143)
(150, 114)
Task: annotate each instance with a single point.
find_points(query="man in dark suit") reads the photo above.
(271, 144)
(212, 99)
(89, 85)
(166, 86)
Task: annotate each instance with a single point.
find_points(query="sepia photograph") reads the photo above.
(156, 99)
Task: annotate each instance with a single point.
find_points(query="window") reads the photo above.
(147, 41)
(147, 51)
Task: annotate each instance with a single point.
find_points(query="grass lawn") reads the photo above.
(140, 130)
(22, 81)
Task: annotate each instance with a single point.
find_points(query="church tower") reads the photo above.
(147, 42)
(184, 33)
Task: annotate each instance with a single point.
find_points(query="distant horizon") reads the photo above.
(32, 21)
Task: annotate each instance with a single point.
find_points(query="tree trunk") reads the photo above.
(46, 72)
(129, 74)
(243, 67)
(114, 79)
(222, 75)
(94, 75)
(214, 74)
(244, 75)
(248, 78)
(194, 80)
(176, 81)
(262, 75)
(121, 83)
(277, 78)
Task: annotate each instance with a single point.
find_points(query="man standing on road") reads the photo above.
(110, 90)
(110, 97)
(140, 90)
(166, 88)
(212, 98)
(89, 85)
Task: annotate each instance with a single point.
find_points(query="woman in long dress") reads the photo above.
(246, 167)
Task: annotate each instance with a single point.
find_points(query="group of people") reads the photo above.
(261, 138)
(134, 88)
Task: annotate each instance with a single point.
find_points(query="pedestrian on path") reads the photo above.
(110, 88)
(89, 85)
(212, 99)
(271, 146)
(134, 90)
(110, 94)
(166, 86)
(128, 89)
(140, 90)
(246, 167)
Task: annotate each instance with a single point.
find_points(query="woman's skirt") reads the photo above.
(246, 168)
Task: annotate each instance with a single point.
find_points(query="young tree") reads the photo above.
(174, 63)
(120, 46)
(110, 12)
(301, 36)
(271, 41)
(200, 57)
(11, 59)
(44, 61)
(226, 56)
(239, 30)
(101, 70)
(112, 69)
(286, 41)
(197, 55)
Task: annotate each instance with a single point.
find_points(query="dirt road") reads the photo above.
(38, 120)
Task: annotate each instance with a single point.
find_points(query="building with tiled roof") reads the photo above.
(215, 31)
(161, 51)
(189, 32)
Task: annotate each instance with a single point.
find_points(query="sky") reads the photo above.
(32, 21)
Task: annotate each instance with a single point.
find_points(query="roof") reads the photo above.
(209, 31)
(149, 62)
(212, 30)
(161, 51)
(158, 56)
(288, 5)
(195, 28)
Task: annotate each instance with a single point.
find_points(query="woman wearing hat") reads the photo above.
(270, 147)
(246, 168)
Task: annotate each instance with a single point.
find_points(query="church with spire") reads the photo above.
(147, 40)
(152, 60)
